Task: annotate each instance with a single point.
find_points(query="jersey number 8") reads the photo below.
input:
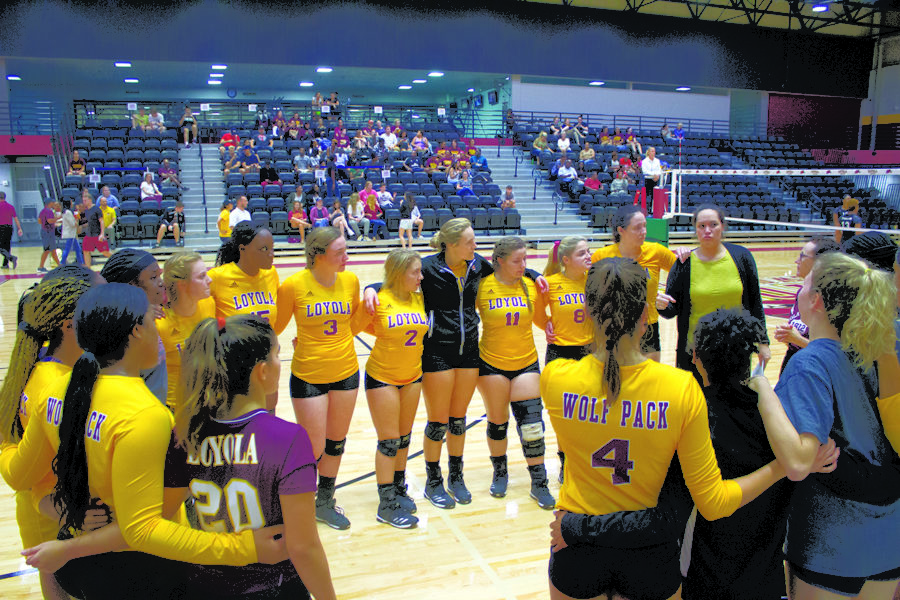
(243, 507)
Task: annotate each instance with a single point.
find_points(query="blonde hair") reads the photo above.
(397, 263)
(503, 248)
(178, 268)
(562, 249)
(450, 233)
(318, 241)
(353, 201)
(860, 301)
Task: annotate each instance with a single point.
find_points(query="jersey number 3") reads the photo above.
(242, 500)
(619, 462)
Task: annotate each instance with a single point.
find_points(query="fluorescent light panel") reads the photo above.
(683, 88)
(214, 82)
(404, 87)
(324, 70)
(306, 84)
(123, 64)
(219, 67)
(470, 90)
(436, 74)
(132, 80)
(595, 83)
(420, 81)
(13, 78)
(216, 75)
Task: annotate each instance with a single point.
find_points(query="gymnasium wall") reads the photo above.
(507, 37)
(815, 121)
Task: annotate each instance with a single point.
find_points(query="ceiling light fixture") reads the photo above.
(324, 70)
(217, 75)
(219, 67)
(404, 87)
(436, 74)
(306, 84)
(214, 82)
(132, 80)
(820, 8)
(683, 88)
(13, 78)
(595, 83)
(470, 90)
(420, 81)
(123, 65)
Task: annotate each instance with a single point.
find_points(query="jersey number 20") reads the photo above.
(619, 462)
(242, 505)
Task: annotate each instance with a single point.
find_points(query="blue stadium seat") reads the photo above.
(260, 217)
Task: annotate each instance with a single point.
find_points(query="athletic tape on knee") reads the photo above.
(389, 447)
(532, 440)
(530, 423)
(404, 441)
(458, 425)
(334, 447)
(435, 431)
(528, 411)
(497, 431)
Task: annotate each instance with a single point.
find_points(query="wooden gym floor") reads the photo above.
(490, 549)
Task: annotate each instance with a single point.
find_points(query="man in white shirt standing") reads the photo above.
(652, 172)
(239, 212)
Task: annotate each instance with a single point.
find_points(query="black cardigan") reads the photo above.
(678, 286)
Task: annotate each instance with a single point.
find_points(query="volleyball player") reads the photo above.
(323, 299)
(450, 358)
(621, 418)
(509, 375)
(139, 268)
(244, 282)
(569, 330)
(394, 380)
(111, 440)
(837, 547)
(46, 317)
(188, 302)
(629, 226)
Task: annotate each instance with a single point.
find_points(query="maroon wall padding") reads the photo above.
(814, 121)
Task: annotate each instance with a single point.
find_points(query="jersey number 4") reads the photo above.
(242, 505)
(619, 462)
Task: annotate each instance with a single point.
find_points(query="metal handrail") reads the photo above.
(538, 177)
(518, 156)
(203, 187)
(557, 202)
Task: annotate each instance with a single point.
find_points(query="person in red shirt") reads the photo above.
(229, 139)
(593, 182)
(7, 218)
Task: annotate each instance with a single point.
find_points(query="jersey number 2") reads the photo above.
(243, 507)
(412, 333)
(619, 462)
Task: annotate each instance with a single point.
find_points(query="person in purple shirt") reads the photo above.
(245, 467)
(47, 219)
(7, 218)
(169, 175)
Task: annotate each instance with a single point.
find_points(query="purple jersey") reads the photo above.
(236, 478)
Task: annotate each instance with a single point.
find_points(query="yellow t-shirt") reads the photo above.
(399, 328)
(224, 223)
(889, 410)
(617, 455)
(654, 257)
(109, 216)
(126, 439)
(507, 312)
(460, 273)
(571, 323)
(324, 352)
(237, 293)
(714, 284)
(174, 330)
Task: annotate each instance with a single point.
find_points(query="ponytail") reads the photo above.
(616, 294)
(561, 249)
(105, 317)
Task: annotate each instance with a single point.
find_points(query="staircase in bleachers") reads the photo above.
(197, 239)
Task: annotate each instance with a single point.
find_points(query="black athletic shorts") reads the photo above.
(650, 573)
(304, 389)
(573, 352)
(847, 586)
(124, 575)
(650, 341)
(443, 357)
(486, 369)
(372, 383)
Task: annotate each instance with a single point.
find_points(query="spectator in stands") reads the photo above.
(47, 219)
(510, 121)
(367, 192)
(397, 128)
(452, 175)
(678, 134)
(223, 223)
(77, 164)
(379, 128)
(334, 103)
(155, 121)
(316, 104)
(368, 131)
(507, 199)
(847, 216)
(303, 159)
(587, 153)
(479, 163)
(319, 216)
(420, 142)
(261, 139)
(555, 128)
(296, 195)
(168, 174)
(563, 143)
(280, 128)
(619, 184)
(556, 166)
(568, 177)
(268, 175)
(412, 163)
(665, 134)
(313, 194)
(580, 126)
(592, 182)
(652, 171)
(111, 201)
(340, 162)
(634, 145)
(94, 236)
(464, 186)
(109, 221)
(249, 162)
(386, 199)
(571, 132)
(188, 124)
(403, 141)
(298, 220)
(140, 120)
(293, 126)
(374, 214)
(356, 217)
(239, 213)
(617, 138)
(149, 190)
(605, 140)
(390, 139)
(410, 217)
(229, 139)
(232, 161)
(433, 163)
(172, 222)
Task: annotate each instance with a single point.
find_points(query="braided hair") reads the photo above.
(615, 296)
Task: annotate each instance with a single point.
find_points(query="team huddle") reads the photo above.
(138, 414)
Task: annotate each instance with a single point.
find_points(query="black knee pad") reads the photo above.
(530, 424)
(497, 431)
(404, 441)
(389, 447)
(435, 431)
(458, 425)
(334, 447)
